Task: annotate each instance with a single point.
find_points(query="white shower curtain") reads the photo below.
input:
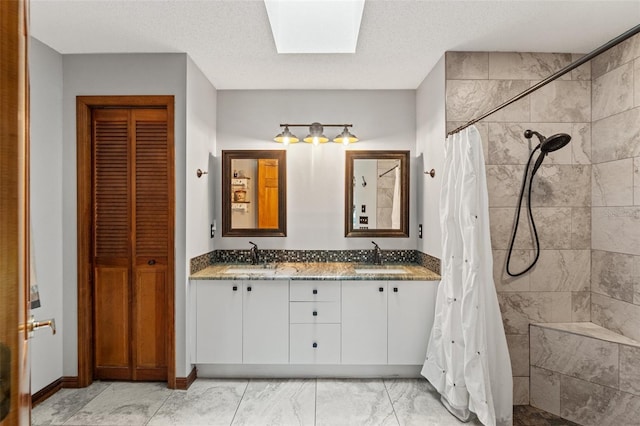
(395, 204)
(467, 357)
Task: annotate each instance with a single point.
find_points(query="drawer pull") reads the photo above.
(235, 288)
(315, 291)
(249, 288)
(395, 289)
(315, 345)
(380, 289)
(315, 313)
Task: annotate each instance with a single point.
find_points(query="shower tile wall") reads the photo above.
(615, 261)
(558, 288)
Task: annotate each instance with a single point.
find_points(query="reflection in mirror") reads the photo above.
(254, 193)
(376, 194)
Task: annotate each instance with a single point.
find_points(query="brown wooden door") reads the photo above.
(131, 243)
(267, 193)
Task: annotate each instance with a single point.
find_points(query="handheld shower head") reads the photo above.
(550, 144)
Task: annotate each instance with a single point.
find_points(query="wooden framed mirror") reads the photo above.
(254, 193)
(376, 194)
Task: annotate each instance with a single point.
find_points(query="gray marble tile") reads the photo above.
(630, 369)
(583, 72)
(507, 144)
(609, 224)
(466, 99)
(207, 402)
(589, 359)
(612, 183)
(519, 353)
(624, 52)
(636, 82)
(592, 330)
(521, 309)
(613, 92)
(616, 137)
(526, 66)
(590, 404)
(65, 403)
(636, 280)
(520, 259)
(123, 404)
(562, 185)
(416, 402)
(277, 402)
(553, 225)
(615, 315)
(467, 65)
(580, 143)
(636, 181)
(562, 101)
(612, 274)
(581, 228)
(503, 185)
(562, 270)
(351, 402)
(545, 390)
(521, 391)
(581, 306)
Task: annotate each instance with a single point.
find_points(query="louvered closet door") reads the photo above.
(131, 242)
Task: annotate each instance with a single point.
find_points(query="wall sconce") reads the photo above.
(316, 134)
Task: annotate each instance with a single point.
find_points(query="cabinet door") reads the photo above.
(364, 322)
(411, 309)
(265, 330)
(218, 321)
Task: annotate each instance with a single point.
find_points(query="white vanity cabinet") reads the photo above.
(410, 308)
(364, 322)
(265, 322)
(218, 321)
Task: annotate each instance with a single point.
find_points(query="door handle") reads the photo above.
(33, 325)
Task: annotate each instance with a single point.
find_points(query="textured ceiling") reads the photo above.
(399, 41)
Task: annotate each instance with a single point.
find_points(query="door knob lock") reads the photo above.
(33, 325)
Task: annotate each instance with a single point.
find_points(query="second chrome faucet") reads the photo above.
(377, 254)
(253, 254)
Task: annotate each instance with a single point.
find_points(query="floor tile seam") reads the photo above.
(384, 383)
(86, 403)
(315, 403)
(169, 395)
(235, 413)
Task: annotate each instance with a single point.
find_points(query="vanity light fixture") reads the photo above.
(316, 134)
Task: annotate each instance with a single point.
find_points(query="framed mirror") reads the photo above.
(254, 193)
(376, 194)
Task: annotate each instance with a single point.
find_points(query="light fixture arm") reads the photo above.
(309, 125)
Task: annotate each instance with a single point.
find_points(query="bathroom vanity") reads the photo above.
(305, 319)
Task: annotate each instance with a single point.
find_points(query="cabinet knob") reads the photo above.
(315, 345)
(395, 289)
(315, 313)
(151, 262)
(249, 288)
(315, 291)
(380, 289)
(235, 288)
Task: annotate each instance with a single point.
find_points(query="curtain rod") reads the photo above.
(393, 168)
(622, 37)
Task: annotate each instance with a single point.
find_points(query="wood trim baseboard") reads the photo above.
(183, 383)
(71, 382)
(46, 392)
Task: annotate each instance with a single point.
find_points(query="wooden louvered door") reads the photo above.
(132, 174)
(267, 193)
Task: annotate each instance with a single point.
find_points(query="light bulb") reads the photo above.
(345, 140)
(316, 141)
(285, 140)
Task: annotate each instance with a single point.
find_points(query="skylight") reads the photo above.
(315, 26)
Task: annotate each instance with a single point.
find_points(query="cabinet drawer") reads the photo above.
(314, 291)
(314, 312)
(314, 344)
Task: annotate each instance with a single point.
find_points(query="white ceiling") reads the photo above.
(399, 41)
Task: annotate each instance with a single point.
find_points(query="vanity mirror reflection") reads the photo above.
(254, 193)
(377, 194)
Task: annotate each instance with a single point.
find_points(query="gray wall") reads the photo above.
(120, 74)
(45, 73)
(615, 285)
(382, 119)
(557, 289)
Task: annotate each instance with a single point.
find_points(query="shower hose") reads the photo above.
(531, 220)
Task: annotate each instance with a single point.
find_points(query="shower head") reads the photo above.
(550, 144)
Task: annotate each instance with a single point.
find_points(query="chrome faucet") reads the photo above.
(253, 253)
(377, 254)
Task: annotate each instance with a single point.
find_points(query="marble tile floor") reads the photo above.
(330, 402)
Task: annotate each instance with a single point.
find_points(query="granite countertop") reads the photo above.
(316, 271)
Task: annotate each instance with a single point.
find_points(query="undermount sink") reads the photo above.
(381, 270)
(251, 269)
